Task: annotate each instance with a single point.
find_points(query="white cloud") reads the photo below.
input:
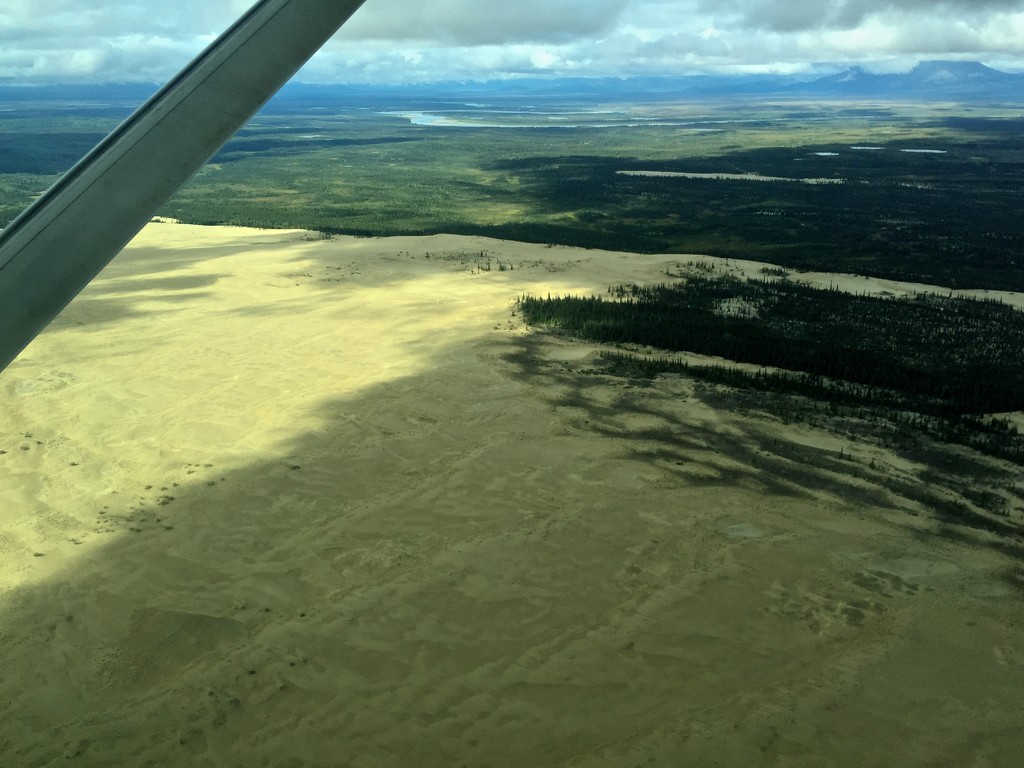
(411, 40)
(472, 23)
(796, 15)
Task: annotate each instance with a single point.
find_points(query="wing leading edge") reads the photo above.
(57, 245)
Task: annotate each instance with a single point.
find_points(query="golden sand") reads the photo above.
(271, 500)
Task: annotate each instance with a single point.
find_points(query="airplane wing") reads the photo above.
(57, 245)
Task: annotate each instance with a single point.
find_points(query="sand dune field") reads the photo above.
(273, 500)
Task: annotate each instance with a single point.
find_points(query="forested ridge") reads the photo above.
(950, 359)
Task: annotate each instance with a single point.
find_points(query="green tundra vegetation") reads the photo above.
(929, 193)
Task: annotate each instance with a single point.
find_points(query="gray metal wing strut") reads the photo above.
(56, 246)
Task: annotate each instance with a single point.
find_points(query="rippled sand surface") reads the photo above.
(273, 500)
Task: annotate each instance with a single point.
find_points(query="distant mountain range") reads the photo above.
(962, 80)
(928, 81)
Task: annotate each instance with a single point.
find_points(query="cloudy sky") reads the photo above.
(391, 41)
